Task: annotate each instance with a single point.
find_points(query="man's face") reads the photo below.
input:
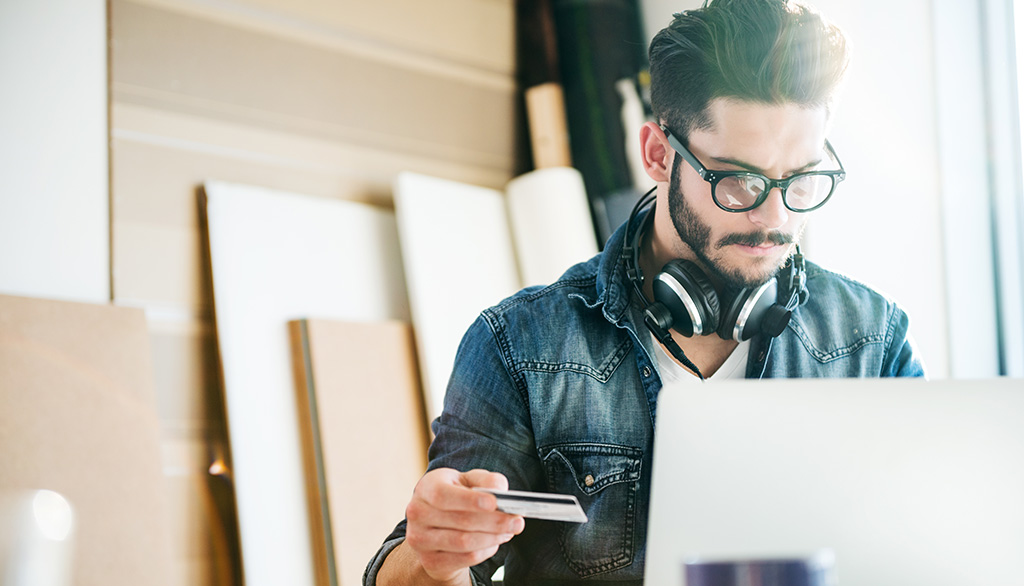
(745, 249)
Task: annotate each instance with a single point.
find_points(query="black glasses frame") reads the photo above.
(714, 177)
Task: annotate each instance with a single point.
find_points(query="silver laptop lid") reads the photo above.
(908, 482)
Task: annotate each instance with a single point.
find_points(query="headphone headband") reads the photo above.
(631, 248)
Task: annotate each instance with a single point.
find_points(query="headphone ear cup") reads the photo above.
(776, 318)
(735, 305)
(685, 290)
(747, 313)
(658, 317)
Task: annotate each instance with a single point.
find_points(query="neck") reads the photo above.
(708, 353)
(658, 247)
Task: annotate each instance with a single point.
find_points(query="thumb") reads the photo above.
(484, 479)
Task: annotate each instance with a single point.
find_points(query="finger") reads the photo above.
(450, 490)
(495, 522)
(440, 563)
(453, 541)
(485, 479)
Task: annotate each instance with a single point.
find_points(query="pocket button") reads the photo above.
(589, 480)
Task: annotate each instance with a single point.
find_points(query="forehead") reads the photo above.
(767, 135)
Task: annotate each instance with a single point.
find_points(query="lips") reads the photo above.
(759, 250)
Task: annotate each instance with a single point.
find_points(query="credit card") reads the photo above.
(538, 505)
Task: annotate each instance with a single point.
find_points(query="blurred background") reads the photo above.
(113, 114)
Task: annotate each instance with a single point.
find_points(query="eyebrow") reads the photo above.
(760, 171)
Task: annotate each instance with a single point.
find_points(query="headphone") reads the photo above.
(687, 302)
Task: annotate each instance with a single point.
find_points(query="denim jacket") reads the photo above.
(556, 387)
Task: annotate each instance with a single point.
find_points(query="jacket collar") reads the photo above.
(614, 291)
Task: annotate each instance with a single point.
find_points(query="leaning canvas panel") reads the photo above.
(364, 434)
(77, 417)
(277, 257)
(459, 259)
(551, 223)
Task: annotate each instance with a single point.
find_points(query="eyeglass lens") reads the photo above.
(742, 191)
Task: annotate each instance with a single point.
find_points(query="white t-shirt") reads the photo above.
(672, 372)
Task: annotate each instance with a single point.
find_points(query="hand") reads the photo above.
(452, 527)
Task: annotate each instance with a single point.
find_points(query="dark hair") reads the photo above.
(770, 51)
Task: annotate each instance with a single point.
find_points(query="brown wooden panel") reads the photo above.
(185, 369)
(159, 265)
(181, 63)
(310, 96)
(354, 380)
(159, 159)
(76, 417)
(157, 154)
(203, 536)
(477, 33)
(189, 514)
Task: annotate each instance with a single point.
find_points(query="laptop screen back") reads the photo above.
(908, 482)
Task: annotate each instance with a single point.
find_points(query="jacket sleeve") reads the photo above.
(485, 424)
(901, 356)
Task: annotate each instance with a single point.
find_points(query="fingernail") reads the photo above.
(506, 537)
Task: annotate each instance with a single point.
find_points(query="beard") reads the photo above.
(696, 234)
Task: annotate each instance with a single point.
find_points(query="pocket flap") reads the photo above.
(595, 466)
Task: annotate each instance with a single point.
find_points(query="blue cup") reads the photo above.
(816, 570)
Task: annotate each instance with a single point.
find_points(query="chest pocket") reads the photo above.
(605, 479)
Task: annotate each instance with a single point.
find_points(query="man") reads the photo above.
(555, 389)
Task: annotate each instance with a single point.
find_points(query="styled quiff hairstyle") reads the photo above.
(767, 51)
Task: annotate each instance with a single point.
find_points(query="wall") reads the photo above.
(316, 97)
(54, 228)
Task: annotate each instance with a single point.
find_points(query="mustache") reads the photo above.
(756, 239)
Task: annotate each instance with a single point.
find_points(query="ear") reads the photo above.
(656, 152)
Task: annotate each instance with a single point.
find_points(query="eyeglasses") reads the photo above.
(742, 191)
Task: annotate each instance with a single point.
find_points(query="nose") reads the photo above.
(772, 214)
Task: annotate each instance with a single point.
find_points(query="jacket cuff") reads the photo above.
(370, 575)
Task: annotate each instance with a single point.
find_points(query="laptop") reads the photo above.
(905, 482)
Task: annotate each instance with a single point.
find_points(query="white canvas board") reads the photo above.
(551, 223)
(459, 259)
(278, 257)
(54, 146)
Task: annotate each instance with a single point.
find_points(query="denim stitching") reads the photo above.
(890, 333)
(624, 557)
(830, 356)
(586, 302)
(505, 350)
(627, 475)
(822, 356)
(601, 375)
(579, 283)
(593, 448)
